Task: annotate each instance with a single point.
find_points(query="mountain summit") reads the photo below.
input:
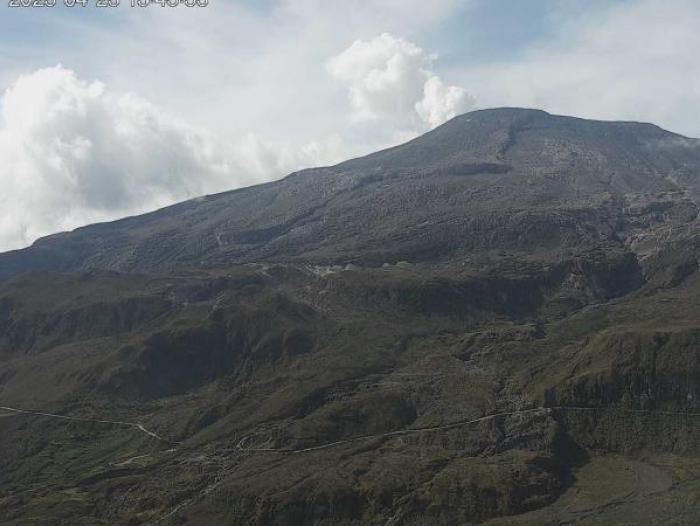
(496, 321)
(437, 197)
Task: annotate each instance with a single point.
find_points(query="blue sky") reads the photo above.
(178, 102)
(493, 31)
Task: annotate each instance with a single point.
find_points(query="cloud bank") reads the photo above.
(73, 153)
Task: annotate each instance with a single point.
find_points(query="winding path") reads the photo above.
(241, 443)
(240, 446)
(223, 476)
(133, 425)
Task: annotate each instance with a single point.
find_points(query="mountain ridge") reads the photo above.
(470, 146)
(494, 323)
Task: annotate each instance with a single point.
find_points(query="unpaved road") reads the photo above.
(241, 443)
(134, 425)
(223, 476)
(544, 410)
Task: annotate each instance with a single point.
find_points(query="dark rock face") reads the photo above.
(450, 331)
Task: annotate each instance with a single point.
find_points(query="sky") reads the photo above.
(109, 112)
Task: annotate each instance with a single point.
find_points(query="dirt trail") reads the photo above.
(546, 410)
(241, 443)
(222, 477)
(133, 425)
(240, 446)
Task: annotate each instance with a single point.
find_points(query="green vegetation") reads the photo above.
(495, 323)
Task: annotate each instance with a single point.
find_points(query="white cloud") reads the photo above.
(233, 67)
(73, 152)
(252, 85)
(391, 78)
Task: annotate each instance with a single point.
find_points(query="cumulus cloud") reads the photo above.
(73, 152)
(392, 78)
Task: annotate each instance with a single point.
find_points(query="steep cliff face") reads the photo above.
(462, 328)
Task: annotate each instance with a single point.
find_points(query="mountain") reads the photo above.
(436, 198)
(495, 322)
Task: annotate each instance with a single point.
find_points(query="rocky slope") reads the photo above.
(474, 326)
